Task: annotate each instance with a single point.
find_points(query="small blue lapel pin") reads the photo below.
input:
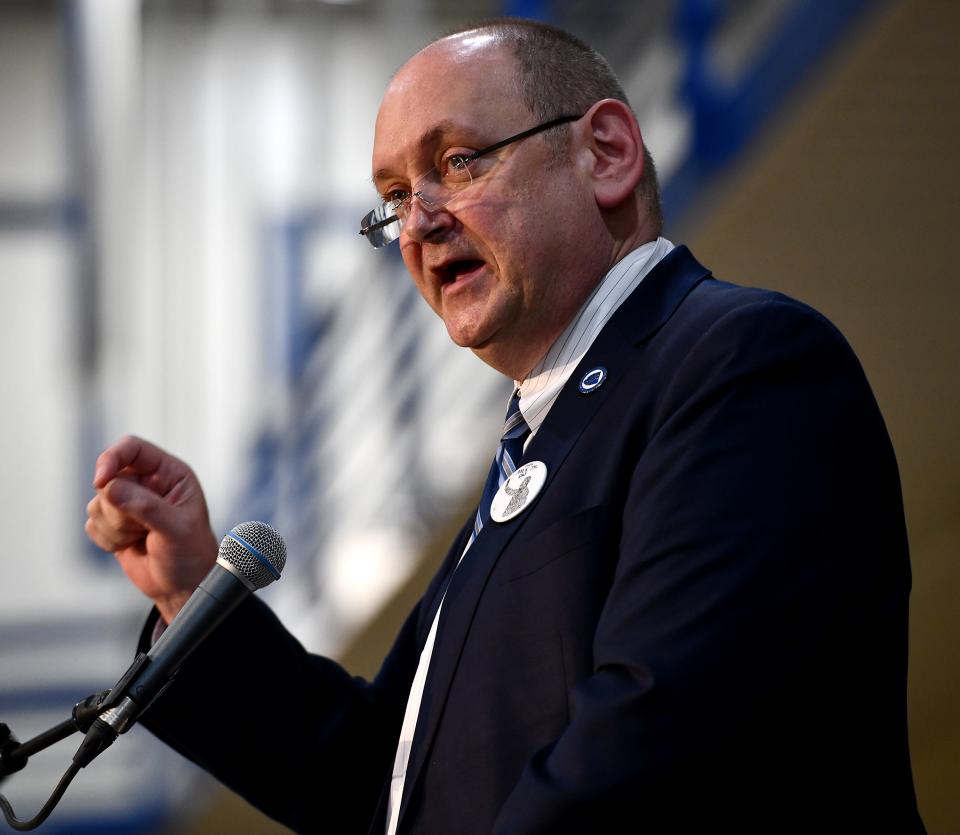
(593, 379)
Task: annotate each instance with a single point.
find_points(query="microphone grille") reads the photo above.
(256, 551)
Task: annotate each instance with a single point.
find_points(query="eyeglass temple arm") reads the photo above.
(511, 139)
(374, 227)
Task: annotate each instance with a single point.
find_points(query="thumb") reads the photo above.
(139, 503)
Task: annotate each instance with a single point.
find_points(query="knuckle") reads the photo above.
(124, 449)
(96, 536)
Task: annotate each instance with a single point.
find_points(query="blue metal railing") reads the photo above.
(727, 115)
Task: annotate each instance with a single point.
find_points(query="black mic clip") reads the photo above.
(100, 732)
(121, 689)
(85, 712)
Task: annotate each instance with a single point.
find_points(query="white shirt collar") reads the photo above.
(543, 385)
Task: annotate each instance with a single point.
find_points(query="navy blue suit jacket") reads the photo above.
(700, 624)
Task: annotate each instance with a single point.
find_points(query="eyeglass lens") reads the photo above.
(433, 190)
(436, 189)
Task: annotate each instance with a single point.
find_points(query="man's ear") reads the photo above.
(612, 136)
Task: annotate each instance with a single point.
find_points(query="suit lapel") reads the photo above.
(650, 305)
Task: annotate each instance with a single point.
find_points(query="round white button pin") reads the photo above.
(516, 493)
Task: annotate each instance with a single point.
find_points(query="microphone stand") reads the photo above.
(85, 716)
(14, 754)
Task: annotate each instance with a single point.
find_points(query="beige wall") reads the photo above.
(851, 203)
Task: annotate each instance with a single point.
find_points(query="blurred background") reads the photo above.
(180, 188)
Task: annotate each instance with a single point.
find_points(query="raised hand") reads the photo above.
(149, 511)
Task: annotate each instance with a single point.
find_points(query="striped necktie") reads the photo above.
(507, 459)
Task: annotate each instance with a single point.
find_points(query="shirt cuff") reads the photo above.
(158, 629)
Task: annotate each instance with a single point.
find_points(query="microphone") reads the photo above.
(251, 556)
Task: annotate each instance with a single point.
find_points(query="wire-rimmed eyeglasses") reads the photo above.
(436, 188)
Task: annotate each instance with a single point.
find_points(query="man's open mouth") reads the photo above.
(455, 270)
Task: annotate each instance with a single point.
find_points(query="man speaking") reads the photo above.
(681, 605)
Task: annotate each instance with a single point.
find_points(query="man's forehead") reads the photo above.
(464, 79)
(469, 65)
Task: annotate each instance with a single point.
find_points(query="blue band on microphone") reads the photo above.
(256, 554)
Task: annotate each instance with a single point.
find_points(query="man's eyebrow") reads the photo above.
(426, 139)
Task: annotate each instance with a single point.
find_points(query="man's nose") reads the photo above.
(426, 219)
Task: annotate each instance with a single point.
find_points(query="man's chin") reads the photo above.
(473, 335)
(473, 341)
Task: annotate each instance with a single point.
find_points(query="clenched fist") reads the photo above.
(149, 511)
